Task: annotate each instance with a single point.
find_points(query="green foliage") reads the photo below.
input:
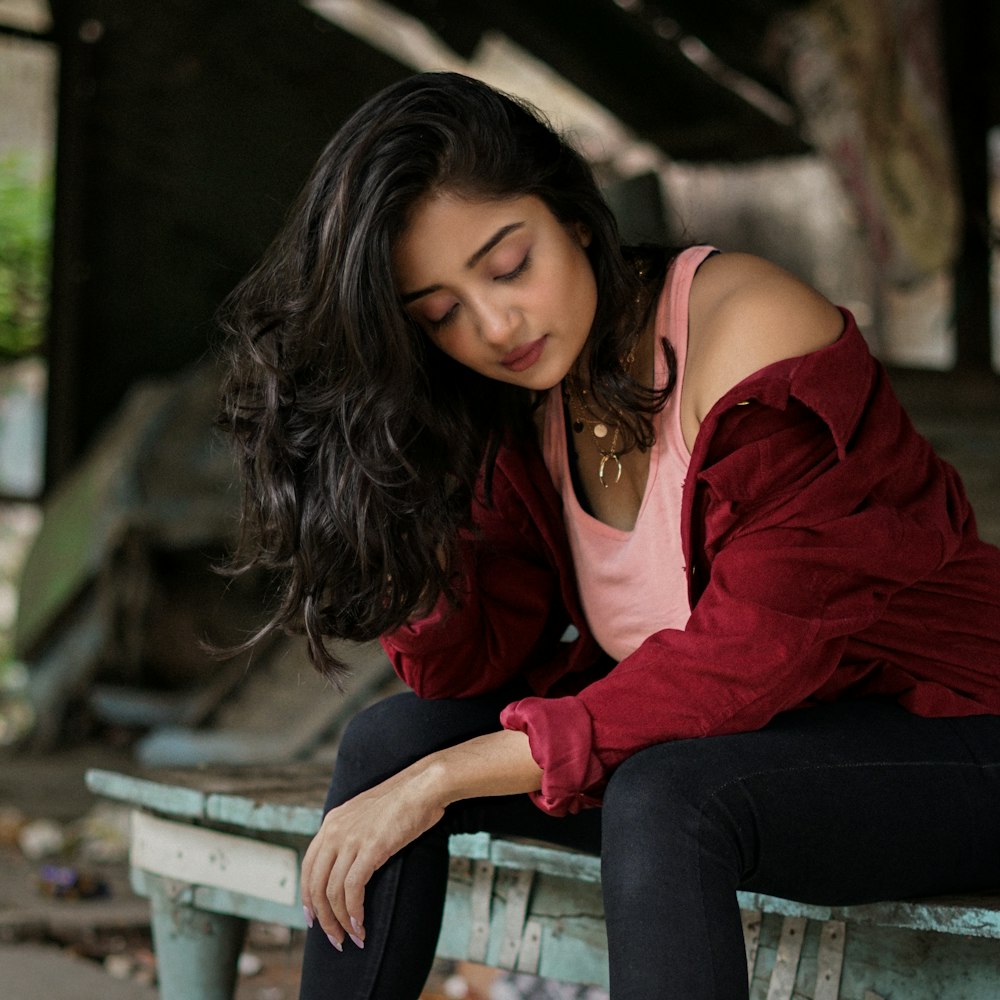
(25, 225)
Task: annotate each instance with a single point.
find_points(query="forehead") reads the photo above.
(444, 225)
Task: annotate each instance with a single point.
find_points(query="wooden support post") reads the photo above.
(196, 951)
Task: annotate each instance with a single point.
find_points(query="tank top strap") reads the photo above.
(671, 324)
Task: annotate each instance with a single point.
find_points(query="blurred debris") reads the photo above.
(12, 821)
(102, 836)
(68, 882)
(41, 838)
(249, 964)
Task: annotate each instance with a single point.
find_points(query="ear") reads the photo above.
(583, 234)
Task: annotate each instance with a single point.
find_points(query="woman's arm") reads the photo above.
(361, 835)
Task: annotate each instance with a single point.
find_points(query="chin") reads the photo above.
(539, 381)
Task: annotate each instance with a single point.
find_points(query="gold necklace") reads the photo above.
(576, 398)
(582, 415)
(601, 428)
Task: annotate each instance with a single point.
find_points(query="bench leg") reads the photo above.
(196, 951)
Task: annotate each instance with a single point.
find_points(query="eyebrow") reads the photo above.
(502, 233)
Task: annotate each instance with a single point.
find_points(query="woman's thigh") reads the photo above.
(845, 803)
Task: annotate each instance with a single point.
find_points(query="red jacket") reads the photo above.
(830, 554)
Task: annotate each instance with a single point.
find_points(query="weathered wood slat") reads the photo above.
(516, 912)
(197, 856)
(531, 948)
(481, 900)
(173, 800)
(221, 901)
(830, 960)
(786, 962)
(751, 938)
(542, 858)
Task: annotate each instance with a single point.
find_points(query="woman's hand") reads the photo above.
(361, 835)
(355, 840)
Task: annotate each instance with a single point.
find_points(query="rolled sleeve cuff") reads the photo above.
(560, 733)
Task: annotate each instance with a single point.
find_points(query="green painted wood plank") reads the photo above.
(550, 860)
(174, 800)
(222, 901)
(975, 917)
(238, 905)
(253, 814)
(475, 846)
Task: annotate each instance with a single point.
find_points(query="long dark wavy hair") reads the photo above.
(362, 445)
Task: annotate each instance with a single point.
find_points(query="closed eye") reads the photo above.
(518, 271)
(443, 321)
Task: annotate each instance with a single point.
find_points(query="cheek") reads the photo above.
(452, 343)
(583, 293)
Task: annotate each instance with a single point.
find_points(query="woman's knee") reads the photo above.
(381, 740)
(659, 783)
(673, 799)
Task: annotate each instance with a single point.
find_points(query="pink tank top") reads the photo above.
(632, 583)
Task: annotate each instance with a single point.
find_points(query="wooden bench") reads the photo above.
(214, 848)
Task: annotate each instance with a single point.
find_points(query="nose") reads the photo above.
(497, 322)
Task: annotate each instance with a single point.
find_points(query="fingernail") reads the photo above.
(357, 941)
(309, 916)
(355, 925)
(334, 942)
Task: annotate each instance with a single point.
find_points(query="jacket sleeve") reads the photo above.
(507, 609)
(801, 547)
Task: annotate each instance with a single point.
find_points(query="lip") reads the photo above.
(522, 358)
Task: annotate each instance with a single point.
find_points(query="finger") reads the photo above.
(319, 859)
(354, 897)
(347, 898)
(305, 880)
(331, 910)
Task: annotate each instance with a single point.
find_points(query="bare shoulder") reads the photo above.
(745, 314)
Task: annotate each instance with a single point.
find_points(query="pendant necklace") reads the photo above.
(582, 415)
(580, 407)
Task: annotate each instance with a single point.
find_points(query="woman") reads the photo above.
(468, 420)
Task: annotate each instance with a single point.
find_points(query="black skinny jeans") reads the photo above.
(843, 804)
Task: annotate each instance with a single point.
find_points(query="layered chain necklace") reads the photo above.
(583, 414)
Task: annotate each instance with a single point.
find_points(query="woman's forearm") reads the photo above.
(494, 764)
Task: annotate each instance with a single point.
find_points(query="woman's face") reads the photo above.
(502, 287)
